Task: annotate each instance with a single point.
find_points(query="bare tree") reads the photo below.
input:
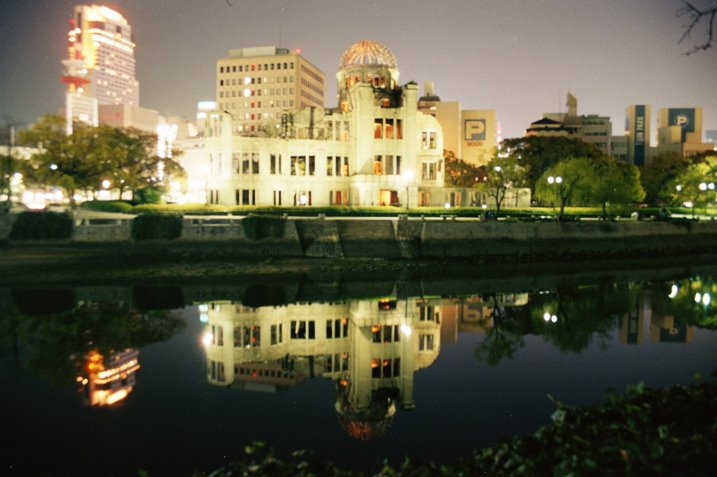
(698, 16)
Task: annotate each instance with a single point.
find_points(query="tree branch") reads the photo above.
(696, 15)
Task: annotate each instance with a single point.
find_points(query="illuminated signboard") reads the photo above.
(682, 117)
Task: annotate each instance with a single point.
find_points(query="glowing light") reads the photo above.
(546, 316)
(53, 167)
(678, 187)
(706, 299)
(484, 206)
(115, 397)
(673, 291)
(702, 186)
(551, 179)
(105, 184)
(247, 92)
(698, 297)
(207, 338)
(558, 179)
(406, 330)
(303, 200)
(711, 186)
(497, 168)
(554, 319)
(447, 205)
(688, 203)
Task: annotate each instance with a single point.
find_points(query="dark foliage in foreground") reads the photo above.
(42, 226)
(642, 432)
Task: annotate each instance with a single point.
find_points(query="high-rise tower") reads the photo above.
(100, 62)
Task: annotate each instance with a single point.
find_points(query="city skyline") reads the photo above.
(517, 57)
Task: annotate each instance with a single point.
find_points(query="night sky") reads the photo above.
(519, 57)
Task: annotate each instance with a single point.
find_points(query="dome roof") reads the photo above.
(367, 53)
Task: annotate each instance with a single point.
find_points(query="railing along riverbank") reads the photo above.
(397, 237)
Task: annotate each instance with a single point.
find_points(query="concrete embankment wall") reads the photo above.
(404, 238)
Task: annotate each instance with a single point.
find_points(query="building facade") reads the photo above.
(470, 134)
(637, 131)
(256, 86)
(680, 130)
(100, 64)
(376, 148)
(591, 128)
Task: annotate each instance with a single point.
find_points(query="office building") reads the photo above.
(680, 130)
(100, 65)
(469, 134)
(256, 86)
(637, 131)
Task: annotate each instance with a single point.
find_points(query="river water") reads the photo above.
(107, 380)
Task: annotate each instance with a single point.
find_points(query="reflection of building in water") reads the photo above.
(370, 348)
(661, 328)
(474, 313)
(108, 381)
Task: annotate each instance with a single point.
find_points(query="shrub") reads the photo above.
(42, 226)
(257, 227)
(148, 195)
(157, 227)
(107, 206)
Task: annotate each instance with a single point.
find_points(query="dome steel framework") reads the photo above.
(369, 53)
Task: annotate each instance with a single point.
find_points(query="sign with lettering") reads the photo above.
(474, 129)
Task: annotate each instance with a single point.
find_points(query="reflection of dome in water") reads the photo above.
(367, 53)
(365, 430)
(371, 422)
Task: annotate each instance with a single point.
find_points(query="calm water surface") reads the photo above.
(106, 381)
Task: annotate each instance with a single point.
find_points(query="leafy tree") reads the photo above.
(659, 172)
(612, 182)
(565, 179)
(696, 184)
(460, 173)
(538, 153)
(73, 162)
(504, 172)
(83, 159)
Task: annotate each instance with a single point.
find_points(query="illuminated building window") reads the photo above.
(303, 165)
(277, 334)
(245, 196)
(385, 334)
(217, 335)
(429, 313)
(337, 328)
(377, 165)
(378, 129)
(429, 171)
(303, 329)
(385, 368)
(247, 336)
(302, 198)
(339, 197)
(425, 343)
(337, 362)
(275, 164)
